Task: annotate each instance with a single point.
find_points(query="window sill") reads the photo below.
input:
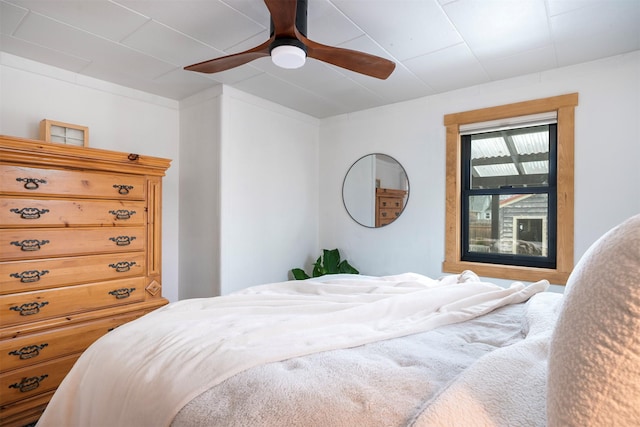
(509, 272)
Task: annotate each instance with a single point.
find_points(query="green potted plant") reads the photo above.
(327, 263)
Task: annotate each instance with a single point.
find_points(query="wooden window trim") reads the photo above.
(564, 105)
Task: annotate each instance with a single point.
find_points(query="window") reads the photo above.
(508, 196)
(510, 190)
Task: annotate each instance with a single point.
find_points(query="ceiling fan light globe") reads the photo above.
(289, 57)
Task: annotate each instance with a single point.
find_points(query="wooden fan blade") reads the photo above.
(231, 61)
(353, 60)
(283, 15)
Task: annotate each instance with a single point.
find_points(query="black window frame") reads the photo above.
(550, 190)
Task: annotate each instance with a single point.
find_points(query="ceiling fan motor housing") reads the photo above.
(301, 26)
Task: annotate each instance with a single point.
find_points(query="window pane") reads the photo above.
(510, 158)
(509, 224)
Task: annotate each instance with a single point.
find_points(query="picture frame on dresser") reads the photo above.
(64, 133)
(80, 254)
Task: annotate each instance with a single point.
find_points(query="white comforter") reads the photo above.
(144, 372)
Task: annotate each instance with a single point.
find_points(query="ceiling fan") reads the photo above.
(289, 47)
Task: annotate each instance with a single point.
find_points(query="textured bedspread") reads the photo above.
(145, 372)
(386, 383)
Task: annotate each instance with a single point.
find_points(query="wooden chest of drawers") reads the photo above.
(80, 254)
(389, 205)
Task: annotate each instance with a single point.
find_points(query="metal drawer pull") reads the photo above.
(30, 213)
(29, 276)
(122, 213)
(30, 244)
(384, 214)
(123, 266)
(384, 204)
(122, 293)
(123, 189)
(122, 240)
(29, 384)
(29, 308)
(31, 183)
(28, 352)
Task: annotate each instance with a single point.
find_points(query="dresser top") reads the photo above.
(34, 152)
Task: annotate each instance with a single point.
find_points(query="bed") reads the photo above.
(353, 350)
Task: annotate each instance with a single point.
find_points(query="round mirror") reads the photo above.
(375, 190)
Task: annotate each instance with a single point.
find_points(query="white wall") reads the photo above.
(606, 172)
(118, 118)
(280, 172)
(269, 191)
(200, 140)
(245, 205)
(248, 192)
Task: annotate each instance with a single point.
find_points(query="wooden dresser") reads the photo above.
(389, 205)
(79, 255)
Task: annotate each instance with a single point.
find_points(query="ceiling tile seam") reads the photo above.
(57, 51)
(550, 15)
(264, 104)
(309, 92)
(399, 64)
(122, 41)
(96, 36)
(223, 50)
(484, 70)
(66, 24)
(232, 49)
(340, 71)
(390, 56)
(135, 30)
(355, 82)
(21, 19)
(159, 76)
(201, 42)
(83, 80)
(99, 37)
(135, 12)
(75, 73)
(239, 12)
(436, 51)
(552, 37)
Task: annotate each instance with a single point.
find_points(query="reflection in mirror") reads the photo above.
(375, 190)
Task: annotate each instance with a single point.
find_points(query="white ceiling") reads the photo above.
(438, 45)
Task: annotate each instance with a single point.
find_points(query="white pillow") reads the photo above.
(594, 360)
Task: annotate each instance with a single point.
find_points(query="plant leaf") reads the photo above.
(318, 269)
(345, 267)
(299, 274)
(331, 261)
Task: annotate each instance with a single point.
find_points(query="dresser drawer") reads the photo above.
(388, 214)
(390, 202)
(65, 213)
(69, 183)
(29, 307)
(24, 413)
(31, 349)
(54, 242)
(33, 380)
(24, 276)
